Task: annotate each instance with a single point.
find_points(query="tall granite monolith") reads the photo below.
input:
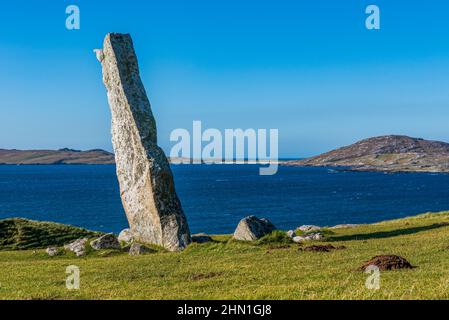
(147, 188)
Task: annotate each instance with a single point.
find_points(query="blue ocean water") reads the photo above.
(216, 197)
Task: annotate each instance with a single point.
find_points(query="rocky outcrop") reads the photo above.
(108, 241)
(391, 153)
(146, 183)
(252, 228)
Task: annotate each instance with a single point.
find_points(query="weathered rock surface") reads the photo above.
(52, 251)
(126, 236)
(201, 238)
(108, 241)
(146, 183)
(252, 228)
(137, 249)
(77, 246)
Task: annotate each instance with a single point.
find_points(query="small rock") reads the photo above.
(317, 236)
(137, 249)
(78, 247)
(108, 241)
(52, 251)
(126, 236)
(308, 228)
(291, 234)
(252, 228)
(201, 238)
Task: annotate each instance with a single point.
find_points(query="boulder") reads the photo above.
(137, 249)
(52, 251)
(77, 246)
(126, 236)
(252, 228)
(201, 238)
(108, 241)
(146, 183)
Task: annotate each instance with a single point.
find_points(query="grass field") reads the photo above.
(227, 269)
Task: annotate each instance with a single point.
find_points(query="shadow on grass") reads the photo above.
(386, 234)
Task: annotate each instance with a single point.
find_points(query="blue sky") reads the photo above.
(309, 68)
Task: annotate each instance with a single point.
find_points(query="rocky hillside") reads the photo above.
(386, 153)
(62, 156)
(20, 234)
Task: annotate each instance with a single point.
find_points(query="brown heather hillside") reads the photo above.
(62, 156)
(386, 153)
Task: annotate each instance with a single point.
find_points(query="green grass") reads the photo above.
(268, 269)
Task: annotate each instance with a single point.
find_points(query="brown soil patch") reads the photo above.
(322, 248)
(387, 262)
(201, 276)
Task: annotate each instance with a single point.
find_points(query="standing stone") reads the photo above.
(146, 183)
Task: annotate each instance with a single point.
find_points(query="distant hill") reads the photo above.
(391, 153)
(62, 156)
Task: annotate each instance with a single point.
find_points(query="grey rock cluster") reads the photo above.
(308, 237)
(147, 188)
(252, 228)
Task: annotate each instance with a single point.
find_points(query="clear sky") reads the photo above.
(309, 68)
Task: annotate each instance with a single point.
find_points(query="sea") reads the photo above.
(215, 197)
